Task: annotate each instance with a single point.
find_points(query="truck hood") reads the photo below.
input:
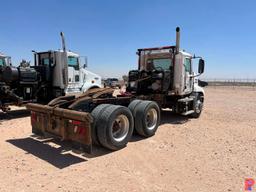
(81, 80)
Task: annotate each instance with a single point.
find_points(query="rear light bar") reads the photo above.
(74, 122)
(78, 127)
(33, 117)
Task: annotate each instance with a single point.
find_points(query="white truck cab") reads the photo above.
(67, 71)
(79, 78)
(54, 73)
(184, 77)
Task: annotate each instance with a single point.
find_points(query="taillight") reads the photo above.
(78, 127)
(33, 117)
(76, 122)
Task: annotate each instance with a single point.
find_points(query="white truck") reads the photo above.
(54, 74)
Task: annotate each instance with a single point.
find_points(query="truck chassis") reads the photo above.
(96, 117)
(164, 79)
(70, 118)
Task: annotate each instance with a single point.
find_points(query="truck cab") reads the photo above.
(54, 73)
(184, 78)
(4, 60)
(165, 74)
(66, 72)
(79, 78)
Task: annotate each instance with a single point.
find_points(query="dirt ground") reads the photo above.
(213, 153)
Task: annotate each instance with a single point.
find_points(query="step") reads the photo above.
(187, 112)
(187, 99)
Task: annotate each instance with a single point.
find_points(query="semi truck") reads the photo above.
(55, 73)
(164, 79)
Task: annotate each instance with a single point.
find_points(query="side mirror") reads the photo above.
(201, 66)
(9, 61)
(83, 61)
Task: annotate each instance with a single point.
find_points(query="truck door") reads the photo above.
(188, 83)
(73, 71)
(2, 61)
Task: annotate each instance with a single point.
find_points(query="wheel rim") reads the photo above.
(198, 106)
(120, 128)
(151, 118)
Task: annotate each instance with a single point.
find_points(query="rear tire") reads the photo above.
(133, 105)
(147, 118)
(96, 113)
(116, 127)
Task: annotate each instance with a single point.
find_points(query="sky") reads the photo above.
(109, 32)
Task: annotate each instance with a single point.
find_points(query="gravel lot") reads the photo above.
(213, 153)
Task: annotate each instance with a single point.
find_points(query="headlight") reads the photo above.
(160, 75)
(132, 84)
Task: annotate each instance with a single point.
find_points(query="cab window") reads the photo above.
(2, 62)
(187, 64)
(164, 64)
(73, 62)
(46, 61)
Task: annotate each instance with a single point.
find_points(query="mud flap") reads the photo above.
(64, 124)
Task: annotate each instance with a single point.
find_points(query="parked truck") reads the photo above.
(54, 74)
(4, 60)
(164, 79)
(112, 82)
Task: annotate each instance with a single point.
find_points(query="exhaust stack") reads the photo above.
(177, 40)
(65, 64)
(63, 41)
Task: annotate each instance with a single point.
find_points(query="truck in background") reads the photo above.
(112, 82)
(54, 74)
(4, 60)
(164, 79)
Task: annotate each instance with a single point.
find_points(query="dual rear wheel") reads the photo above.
(146, 117)
(113, 125)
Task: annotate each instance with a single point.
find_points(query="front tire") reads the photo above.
(198, 105)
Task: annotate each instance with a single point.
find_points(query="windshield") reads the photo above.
(2, 61)
(162, 63)
(73, 62)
